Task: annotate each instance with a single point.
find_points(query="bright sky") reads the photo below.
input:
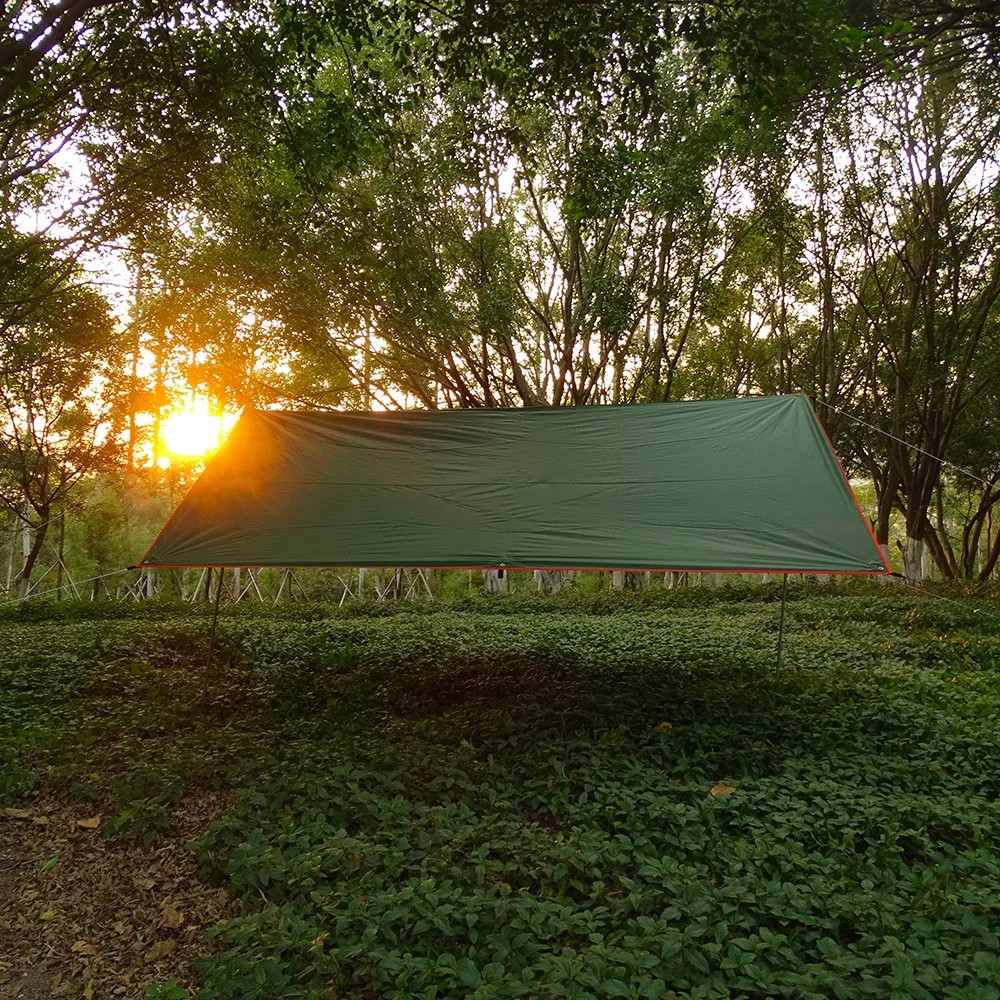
(195, 430)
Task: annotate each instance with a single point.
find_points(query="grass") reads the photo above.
(609, 796)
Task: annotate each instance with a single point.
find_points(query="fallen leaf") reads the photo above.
(47, 915)
(317, 942)
(85, 948)
(172, 917)
(358, 860)
(160, 950)
(721, 789)
(664, 725)
(40, 820)
(47, 866)
(88, 992)
(89, 824)
(11, 813)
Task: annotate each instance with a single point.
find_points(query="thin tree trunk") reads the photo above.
(985, 566)
(59, 565)
(158, 406)
(32, 550)
(10, 561)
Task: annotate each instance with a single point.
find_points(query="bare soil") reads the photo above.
(109, 917)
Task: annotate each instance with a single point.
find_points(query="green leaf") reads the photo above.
(614, 988)
(467, 972)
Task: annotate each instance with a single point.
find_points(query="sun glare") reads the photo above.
(194, 432)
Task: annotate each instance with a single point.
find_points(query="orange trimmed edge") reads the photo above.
(511, 569)
(850, 489)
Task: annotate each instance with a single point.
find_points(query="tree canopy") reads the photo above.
(341, 203)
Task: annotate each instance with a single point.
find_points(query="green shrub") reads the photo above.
(606, 795)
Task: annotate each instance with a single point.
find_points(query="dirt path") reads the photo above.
(84, 916)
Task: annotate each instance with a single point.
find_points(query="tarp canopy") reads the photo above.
(734, 484)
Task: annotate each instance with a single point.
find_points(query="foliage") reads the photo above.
(505, 203)
(505, 801)
(60, 385)
(169, 990)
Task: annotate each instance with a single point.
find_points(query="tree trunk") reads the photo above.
(32, 549)
(237, 583)
(885, 579)
(133, 425)
(133, 389)
(495, 581)
(62, 547)
(990, 560)
(886, 496)
(10, 562)
(985, 565)
(550, 581)
(158, 405)
(914, 551)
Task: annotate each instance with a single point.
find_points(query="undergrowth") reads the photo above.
(601, 799)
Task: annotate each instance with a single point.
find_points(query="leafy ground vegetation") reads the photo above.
(591, 797)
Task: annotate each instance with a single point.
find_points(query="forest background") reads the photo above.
(352, 204)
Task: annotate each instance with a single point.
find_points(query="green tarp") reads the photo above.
(735, 484)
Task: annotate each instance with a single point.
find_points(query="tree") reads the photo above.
(930, 282)
(60, 380)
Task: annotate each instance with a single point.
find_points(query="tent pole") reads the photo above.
(781, 624)
(211, 639)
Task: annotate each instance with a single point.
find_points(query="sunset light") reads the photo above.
(195, 431)
(564, 429)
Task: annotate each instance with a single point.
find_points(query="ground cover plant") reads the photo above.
(605, 796)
